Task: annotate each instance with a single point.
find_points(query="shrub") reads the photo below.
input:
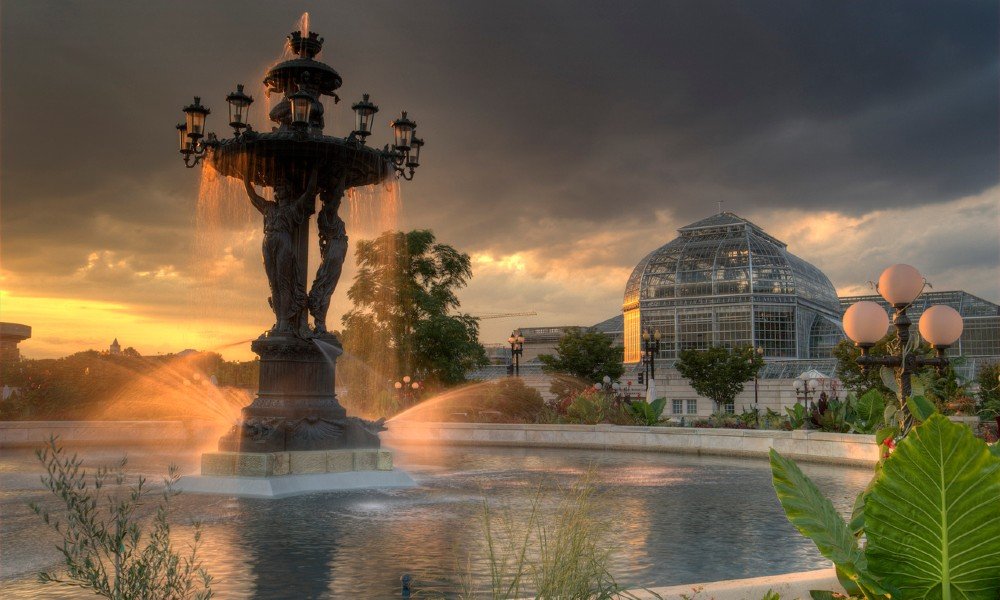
(503, 401)
(646, 413)
(591, 407)
(103, 533)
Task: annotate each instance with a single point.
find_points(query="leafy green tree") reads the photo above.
(719, 372)
(583, 357)
(404, 320)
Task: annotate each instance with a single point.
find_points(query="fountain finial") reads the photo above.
(306, 45)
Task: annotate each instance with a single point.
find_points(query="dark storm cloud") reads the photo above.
(594, 112)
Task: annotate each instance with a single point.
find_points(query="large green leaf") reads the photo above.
(868, 411)
(814, 516)
(932, 516)
(920, 407)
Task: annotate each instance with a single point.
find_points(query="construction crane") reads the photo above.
(504, 315)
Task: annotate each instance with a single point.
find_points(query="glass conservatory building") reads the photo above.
(725, 282)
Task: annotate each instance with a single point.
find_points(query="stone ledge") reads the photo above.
(292, 485)
(280, 464)
(815, 446)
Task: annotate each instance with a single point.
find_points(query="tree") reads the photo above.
(719, 372)
(404, 320)
(583, 357)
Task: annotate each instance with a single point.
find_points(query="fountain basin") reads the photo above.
(286, 154)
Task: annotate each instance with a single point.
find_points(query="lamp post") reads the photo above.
(866, 323)
(804, 389)
(756, 388)
(608, 386)
(650, 348)
(516, 341)
(407, 388)
(296, 407)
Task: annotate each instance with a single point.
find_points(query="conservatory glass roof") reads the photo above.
(727, 255)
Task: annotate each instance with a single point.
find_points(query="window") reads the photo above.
(677, 407)
(692, 407)
(730, 408)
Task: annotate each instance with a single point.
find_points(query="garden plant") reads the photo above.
(928, 524)
(107, 547)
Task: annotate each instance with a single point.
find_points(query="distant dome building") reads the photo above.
(725, 282)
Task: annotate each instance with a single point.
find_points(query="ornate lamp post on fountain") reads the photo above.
(296, 408)
(866, 323)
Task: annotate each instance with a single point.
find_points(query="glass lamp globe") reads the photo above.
(195, 115)
(798, 385)
(406, 379)
(597, 386)
(865, 322)
(900, 284)
(606, 379)
(182, 133)
(941, 326)
(364, 111)
(813, 384)
(239, 107)
(398, 385)
(403, 130)
(301, 103)
(415, 385)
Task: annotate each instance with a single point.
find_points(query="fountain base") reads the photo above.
(282, 474)
(296, 408)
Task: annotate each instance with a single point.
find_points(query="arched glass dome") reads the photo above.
(725, 281)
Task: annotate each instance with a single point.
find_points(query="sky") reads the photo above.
(565, 141)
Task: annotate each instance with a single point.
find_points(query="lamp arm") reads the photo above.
(940, 362)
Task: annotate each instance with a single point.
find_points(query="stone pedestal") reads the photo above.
(282, 474)
(296, 408)
(276, 464)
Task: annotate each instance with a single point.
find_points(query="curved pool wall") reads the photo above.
(802, 445)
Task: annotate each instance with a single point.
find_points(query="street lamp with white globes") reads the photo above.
(866, 323)
(804, 388)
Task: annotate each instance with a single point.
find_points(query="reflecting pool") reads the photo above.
(678, 519)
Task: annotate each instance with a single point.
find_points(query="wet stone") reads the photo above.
(254, 465)
(384, 462)
(365, 460)
(218, 463)
(338, 461)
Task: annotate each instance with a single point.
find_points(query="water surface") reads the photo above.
(678, 519)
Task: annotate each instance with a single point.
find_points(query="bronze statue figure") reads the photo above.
(332, 251)
(281, 219)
